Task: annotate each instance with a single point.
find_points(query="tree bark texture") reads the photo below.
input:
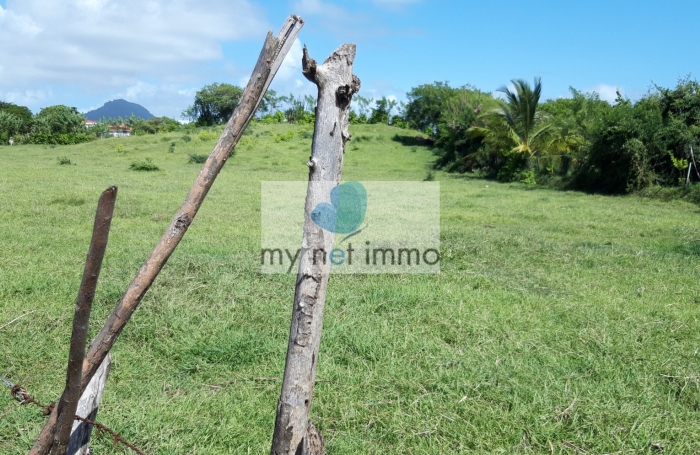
(336, 85)
(87, 407)
(273, 52)
(68, 404)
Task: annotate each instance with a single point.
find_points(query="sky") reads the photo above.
(158, 53)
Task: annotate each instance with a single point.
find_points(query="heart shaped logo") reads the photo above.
(346, 211)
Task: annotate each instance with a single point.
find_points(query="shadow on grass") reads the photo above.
(420, 141)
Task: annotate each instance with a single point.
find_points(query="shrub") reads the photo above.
(198, 159)
(363, 138)
(284, 137)
(186, 138)
(60, 139)
(277, 117)
(146, 165)
(304, 133)
(64, 160)
(207, 136)
(248, 141)
(529, 177)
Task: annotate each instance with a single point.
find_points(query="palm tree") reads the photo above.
(517, 126)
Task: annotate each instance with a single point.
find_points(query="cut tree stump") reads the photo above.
(87, 407)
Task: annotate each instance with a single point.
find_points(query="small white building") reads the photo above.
(119, 131)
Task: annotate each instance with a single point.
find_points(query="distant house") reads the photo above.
(114, 131)
(119, 131)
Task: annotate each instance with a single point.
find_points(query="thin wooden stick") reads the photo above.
(68, 404)
(336, 85)
(273, 52)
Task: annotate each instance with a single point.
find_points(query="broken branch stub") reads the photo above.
(273, 52)
(336, 86)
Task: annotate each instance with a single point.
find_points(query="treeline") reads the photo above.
(64, 125)
(52, 125)
(581, 142)
(215, 103)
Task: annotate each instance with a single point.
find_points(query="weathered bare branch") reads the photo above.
(68, 404)
(271, 57)
(336, 85)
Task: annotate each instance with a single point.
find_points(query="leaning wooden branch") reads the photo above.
(68, 404)
(271, 57)
(293, 432)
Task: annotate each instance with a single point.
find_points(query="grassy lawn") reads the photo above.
(561, 322)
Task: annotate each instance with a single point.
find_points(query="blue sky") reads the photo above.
(159, 52)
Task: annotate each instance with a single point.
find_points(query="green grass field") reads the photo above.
(561, 322)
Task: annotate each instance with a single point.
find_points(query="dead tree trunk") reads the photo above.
(87, 407)
(336, 85)
(271, 57)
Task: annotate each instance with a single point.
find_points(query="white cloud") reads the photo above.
(606, 92)
(102, 44)
(26, 97)
(291, 65)
(288, 78)
(17, 23)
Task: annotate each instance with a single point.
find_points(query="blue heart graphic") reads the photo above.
(346, 211)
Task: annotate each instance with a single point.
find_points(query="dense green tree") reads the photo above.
(59, 119)
(269, 103)
(213, 104)
(297, 109)
(21, 112)
(426, 104)
(680, 111)
(576, 118)
(359, 109)
(10, 126)
(59, 125)
(624, 148)
(457, 148)
(156, 125)
(14, 120)
(381, 111)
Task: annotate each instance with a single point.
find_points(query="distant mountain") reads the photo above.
(119, 108)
